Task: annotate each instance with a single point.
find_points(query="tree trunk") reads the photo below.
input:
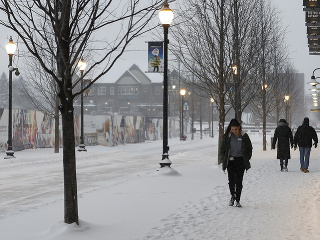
(264, 119)
(221, 78)
(66, 109)
(56, 125)
(221, 129)
(69, 165)
(237, 87)
(192, 108)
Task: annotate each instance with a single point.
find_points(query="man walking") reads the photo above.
(283, 135)
(303, 138)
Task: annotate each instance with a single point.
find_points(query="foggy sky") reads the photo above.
(293, 17)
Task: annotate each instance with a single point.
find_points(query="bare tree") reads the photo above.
(200, 46)
(41, 90)
(63, 32)
(220, 34)
(243, 52)
(271, 53)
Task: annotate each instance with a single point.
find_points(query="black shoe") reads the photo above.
(238, 204)
(231, 202)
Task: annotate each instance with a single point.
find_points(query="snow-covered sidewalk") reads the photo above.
(123, 197)
(276, 205)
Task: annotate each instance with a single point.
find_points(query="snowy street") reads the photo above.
(122, 196)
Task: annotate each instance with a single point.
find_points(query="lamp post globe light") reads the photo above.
(10, 48)
(166, 17)
(82, 66)
(182, 93)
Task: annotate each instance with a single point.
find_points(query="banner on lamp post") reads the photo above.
(155, 57)
(86, 82)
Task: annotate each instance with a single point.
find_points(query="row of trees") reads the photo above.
(236, 51)
(56, 34)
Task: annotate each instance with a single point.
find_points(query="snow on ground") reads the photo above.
(122, 196)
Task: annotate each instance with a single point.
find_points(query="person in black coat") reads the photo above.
(283, 135)
(303, 137)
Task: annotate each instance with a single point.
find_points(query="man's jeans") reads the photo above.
(304, 157)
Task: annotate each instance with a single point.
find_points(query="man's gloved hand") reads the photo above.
(315, 145)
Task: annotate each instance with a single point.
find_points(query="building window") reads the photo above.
(102, 91)
(100, 106)
(127, 90)
(123, 90)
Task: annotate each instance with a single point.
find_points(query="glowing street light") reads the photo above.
(166, 17)
(82, 66)
(11, 47)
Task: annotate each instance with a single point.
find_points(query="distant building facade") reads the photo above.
(132, 94)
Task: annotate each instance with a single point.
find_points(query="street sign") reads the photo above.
(311, 3)
(312, 17)
(313, 30)
(313, 36)
(185, 106)
(314, 49)
(313, 41)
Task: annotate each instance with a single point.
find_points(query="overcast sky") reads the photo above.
(293, 17)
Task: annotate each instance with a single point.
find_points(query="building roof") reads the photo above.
(133, 76)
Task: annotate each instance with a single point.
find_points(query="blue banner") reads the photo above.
(155, 57)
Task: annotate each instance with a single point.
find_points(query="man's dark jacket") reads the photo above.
(304, 135)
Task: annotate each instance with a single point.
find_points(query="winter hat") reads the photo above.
(306, 120)
(234, 123)
(283, 121)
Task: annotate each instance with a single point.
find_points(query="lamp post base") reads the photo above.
(165, 162)
(82, 148)
(10, 154)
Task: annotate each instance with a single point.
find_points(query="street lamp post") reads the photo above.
(286, 99)
(182, 93)
(82, 66)
(10, 48)
(166, 17)
(264, 114)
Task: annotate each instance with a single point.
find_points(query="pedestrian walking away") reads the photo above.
(283, 135)
(235, 153)
(303, 138)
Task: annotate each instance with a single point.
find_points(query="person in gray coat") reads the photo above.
(283, 135)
